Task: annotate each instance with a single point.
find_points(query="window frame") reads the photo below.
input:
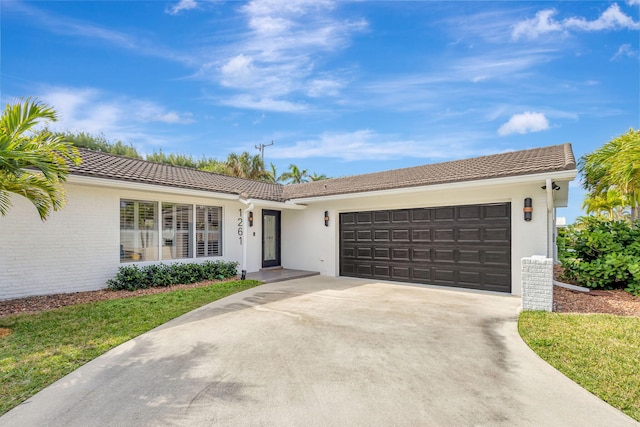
(159, 229)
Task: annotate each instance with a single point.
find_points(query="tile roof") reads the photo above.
(526, 162)
(109, 166)
(515, 163)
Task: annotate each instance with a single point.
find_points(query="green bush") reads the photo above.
(601, 254)
(132, 277)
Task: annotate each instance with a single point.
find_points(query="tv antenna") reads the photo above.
(260, 147)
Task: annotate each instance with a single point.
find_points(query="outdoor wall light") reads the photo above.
(528, 209)
(250, 219)
(326, 218)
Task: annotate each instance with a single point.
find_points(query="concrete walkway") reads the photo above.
(325, 351)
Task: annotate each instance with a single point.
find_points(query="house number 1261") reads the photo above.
(240, 230)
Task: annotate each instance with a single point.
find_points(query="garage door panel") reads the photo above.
(444, 214)
(499, 235)
(382, 235)
(382, 217)
(383, 272)
(469, 213)
(401, 216)
(443, 235)
(461, 246)
(364, 218)
(420, 254)
(382, 253)
(421, 274)
(469, 235)
(421, 215)
(468, 256)
(498, 212)
(443, 255)
(364, 270)
(497, 257)
(421, 235)
(364, 253)
(400, 254)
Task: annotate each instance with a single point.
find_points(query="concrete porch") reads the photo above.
(272, 275)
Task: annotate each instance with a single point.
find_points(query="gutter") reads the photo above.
(245, 240)
(572, 287)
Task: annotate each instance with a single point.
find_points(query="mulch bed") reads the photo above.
(616, 302)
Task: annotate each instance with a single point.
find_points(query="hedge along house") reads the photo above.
(464, 223)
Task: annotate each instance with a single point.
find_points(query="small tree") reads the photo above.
(615, 166)
(294, 175)
(33, 164)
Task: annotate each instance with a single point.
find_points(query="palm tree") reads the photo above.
(616, 166)
(246, 166)
(295, 175)
(610, 204)
(316, 177)
(33, 164)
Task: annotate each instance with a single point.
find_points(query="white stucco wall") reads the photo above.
(307, 244)
(77, 248)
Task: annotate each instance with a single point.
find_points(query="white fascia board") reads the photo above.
(159, 188)
(140, 186)
(568, 175)
(276, 205)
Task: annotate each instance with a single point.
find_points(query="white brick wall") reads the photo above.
(537, 283)
(77, 248)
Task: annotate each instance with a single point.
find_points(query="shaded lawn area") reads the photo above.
(601, 352)
(43, 347)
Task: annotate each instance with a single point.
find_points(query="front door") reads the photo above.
(270, 238)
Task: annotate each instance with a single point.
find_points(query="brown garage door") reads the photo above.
(463, 246)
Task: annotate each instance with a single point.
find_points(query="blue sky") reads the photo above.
(342, 87)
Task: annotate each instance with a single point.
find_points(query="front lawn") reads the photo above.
(600, 352)
(42, 348)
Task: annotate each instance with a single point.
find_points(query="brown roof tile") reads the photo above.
(103, 165)
(525, 162)
(539, 160)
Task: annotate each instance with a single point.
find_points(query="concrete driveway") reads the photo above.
(325, 351)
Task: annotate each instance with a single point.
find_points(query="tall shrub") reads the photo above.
(602, 254)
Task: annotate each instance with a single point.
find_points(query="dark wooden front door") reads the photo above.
(463, 246)
(270, 238)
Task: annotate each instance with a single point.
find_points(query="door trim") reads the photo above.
(278, 261)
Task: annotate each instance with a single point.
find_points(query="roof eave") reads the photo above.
(562, 175)
(141, 186)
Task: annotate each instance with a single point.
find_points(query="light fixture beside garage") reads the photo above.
(326, 218)
(250, 219)
(528, 209)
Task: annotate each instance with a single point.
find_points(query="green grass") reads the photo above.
(599, 352)
(44, 347)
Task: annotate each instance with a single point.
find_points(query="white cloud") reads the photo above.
(280, 53)
(117, 117)
(543, 23)
(182, 5)
(366, 144)
(633, 2)
(611, 19)
(264, 104)
(524, 123)
(625, 51)
(324, 87)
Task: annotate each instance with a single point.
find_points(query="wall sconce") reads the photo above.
(528, 209)
(250, 219)
(326, 218)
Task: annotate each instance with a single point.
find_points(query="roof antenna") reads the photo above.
(260, 147)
